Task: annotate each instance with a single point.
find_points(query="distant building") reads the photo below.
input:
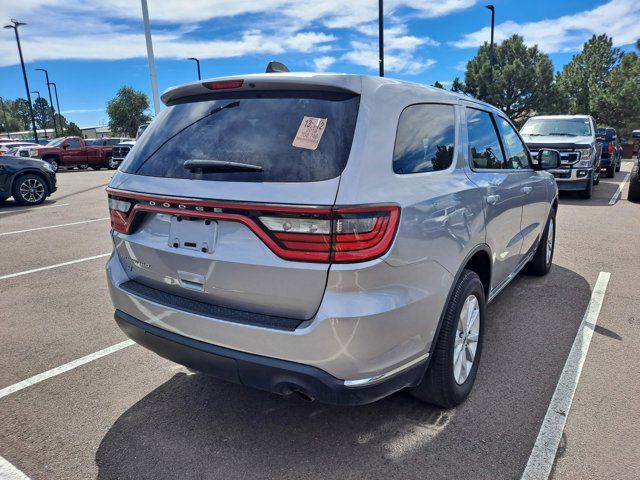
(96, 132)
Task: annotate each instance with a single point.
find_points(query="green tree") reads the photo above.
(42, 113)
(618, 104)
(9, 122)
(73, 130)
(584, 79)
(437, 84)
(457, 86)
(126, 111)
(521, 83)
(20, 109)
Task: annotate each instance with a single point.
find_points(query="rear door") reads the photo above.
(296, 144)
(502, 193)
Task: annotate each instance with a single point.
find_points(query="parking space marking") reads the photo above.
(34, 208)
(614, 199)
(54, 226)
(9, 472)
(16, 387)
(544, 450)
(49, 267)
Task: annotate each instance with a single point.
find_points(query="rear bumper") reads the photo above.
(264, 373)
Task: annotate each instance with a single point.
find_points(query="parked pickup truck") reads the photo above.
(73, 152)
(121, 150)
(611, 157)
(574, 136)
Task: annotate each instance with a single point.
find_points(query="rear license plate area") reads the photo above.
(194, 234)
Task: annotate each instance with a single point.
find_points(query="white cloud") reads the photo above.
(322, 64)
(619, 19)
(111, 29)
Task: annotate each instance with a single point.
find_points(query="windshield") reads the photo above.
(571, 127)
(291, 136)
(55, 142)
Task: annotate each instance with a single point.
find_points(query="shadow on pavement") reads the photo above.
(602, 193)
(194, 426)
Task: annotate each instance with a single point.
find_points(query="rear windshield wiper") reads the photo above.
(205, 166)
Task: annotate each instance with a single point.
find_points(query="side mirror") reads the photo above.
(548, 159)
(65, 146)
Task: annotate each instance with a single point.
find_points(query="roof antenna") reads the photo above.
(276, 67)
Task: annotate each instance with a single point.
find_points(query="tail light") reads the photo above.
(307, 234)
(610, 148)
(223, 85)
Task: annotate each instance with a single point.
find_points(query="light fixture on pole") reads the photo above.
(14, 26)
(493, 16)
(53, 111)
(198, 63)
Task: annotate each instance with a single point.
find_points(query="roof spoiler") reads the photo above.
(276, 67)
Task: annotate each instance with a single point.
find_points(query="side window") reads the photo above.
(516, 151)
(425, 139)
(73, 143)
(484, 145)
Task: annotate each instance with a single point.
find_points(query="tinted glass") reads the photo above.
(570, 127)
(112, 141)
(484, 145)
(425, 139)
(515, 150)
(256, 128)
(73, 143)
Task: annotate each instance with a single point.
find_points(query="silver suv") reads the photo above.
(331, 236)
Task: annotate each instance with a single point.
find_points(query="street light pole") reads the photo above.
(55, 89)
(198, 63)
(493, 16)
(381, 37)
(150, 59)
(53, 111)
(37, 92)
(15, 26)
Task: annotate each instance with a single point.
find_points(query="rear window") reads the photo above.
(255, 128)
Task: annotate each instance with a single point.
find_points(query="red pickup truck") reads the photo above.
(73, 152)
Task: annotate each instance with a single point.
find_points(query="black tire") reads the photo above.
(3, 199)
(596, 178)
(619, 165)
(30, 189)
(54, 162)
(540, 265)
(111, 164)
(84, 166)
(634, 186)
(611, 171)
(96, 167)
(587, 193)
(439, 386)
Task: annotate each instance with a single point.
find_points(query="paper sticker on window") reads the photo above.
(310, 133)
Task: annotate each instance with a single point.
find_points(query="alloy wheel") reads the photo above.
(466, 342)
(31, 190)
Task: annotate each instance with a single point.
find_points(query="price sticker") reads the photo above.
(310, 133)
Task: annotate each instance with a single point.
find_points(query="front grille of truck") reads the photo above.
(208, 310)
(567, 156)
(120, 152)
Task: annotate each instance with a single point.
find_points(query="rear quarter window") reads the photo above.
(425, 139)
(257, 128)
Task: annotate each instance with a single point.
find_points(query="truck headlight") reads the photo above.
(585, 153)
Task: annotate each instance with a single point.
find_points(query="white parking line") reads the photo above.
(34, 208)
(64, 368)
(49, 267)
(544, 450)
(614, 199)
(9, 472)
(54, 226)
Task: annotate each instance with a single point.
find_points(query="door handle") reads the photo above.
(493, 199)
(526, 190)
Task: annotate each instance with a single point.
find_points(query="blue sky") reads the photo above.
(91, 49)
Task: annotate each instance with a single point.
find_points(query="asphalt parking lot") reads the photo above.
(131, 414)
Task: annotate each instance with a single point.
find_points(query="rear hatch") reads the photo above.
(214, 201)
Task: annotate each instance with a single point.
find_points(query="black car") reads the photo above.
(28, 180)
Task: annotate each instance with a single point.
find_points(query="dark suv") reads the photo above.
(28, 180)
(611, 156)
